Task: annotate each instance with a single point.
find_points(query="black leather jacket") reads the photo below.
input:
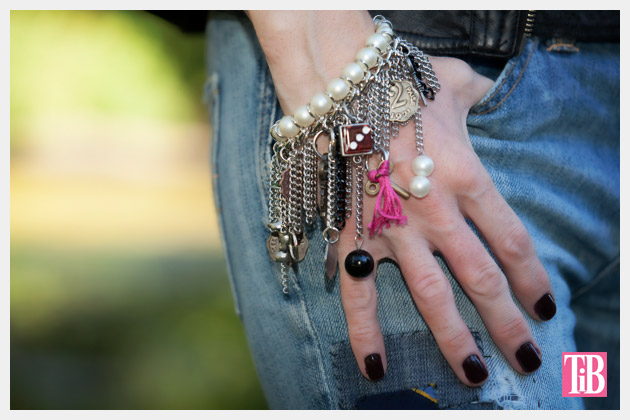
(498, 34)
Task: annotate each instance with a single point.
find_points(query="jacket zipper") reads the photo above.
(529, 22)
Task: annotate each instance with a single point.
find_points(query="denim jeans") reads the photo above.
(547, 133)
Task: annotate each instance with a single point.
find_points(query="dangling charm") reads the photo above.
(359, 263)
(355, 139)
(420, 185)
(387, 209)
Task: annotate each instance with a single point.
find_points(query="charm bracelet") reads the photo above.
(358, 114)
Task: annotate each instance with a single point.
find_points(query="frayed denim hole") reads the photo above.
(414, 361)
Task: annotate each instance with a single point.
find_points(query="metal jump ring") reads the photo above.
(314, 144)
(282, 158)
(331, 235)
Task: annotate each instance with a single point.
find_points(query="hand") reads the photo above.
(461, 188)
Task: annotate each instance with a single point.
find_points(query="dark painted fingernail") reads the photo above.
(528, 357)
(374, 367)
(474, 369)
(545, 307)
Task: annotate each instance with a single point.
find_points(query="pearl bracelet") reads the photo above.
(376, 46)
(359, 113)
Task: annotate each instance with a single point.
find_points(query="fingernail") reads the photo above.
(545, 307)
(374, 367)
(528, 357)
(474, 369)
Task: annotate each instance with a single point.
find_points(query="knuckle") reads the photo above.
(360, 299)
(512, 328)
(466, 174)
(534, 283)
(456, 338)
(448, 226)
(515, 243)
(430, 288)
(486, 282)
(362, 334)
(444, 222)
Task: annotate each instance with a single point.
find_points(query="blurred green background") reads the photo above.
(119, 293)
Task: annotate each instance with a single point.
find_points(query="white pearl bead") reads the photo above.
(379, 42)
(419, 186)
(338, 89)
(368, 55)
(303, 117)
(422, 165)
(320, 104)
(388, 37)
(287, 127)
(354, 72)
(384, 28)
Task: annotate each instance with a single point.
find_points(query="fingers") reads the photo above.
(359, 298)
(433, 296)
(514, 248)
(487, 288)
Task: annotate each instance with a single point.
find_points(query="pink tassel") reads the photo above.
(388, 207)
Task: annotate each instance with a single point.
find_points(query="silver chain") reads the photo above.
(310, 184)
(331, 191)
(419, 135)
(358, 166)
(348, 190)
(284, 272)
(384, 109)
(295, 192)
(277, 202)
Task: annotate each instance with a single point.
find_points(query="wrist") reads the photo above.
(306, 49)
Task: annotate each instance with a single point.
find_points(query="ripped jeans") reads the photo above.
(548, 135)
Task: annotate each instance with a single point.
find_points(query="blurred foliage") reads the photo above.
(101, 317)
(97, 331)
(103, 62)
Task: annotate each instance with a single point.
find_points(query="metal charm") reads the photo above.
(276, 252)
(330, 259)
(372, 188)
(403, 100)
(285, 183)
(299, 252)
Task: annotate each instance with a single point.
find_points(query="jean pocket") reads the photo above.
(507, 82)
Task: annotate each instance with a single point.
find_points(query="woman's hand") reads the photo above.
(307, 49)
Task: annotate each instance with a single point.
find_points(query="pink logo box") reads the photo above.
(584, 374)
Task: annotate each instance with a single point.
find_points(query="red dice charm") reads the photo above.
(355, 139)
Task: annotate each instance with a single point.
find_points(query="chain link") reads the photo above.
(359, 168)
(310, 184)
(348, 190)
(331, 191)
(419, 135)
(295, 192)
(284, 272)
